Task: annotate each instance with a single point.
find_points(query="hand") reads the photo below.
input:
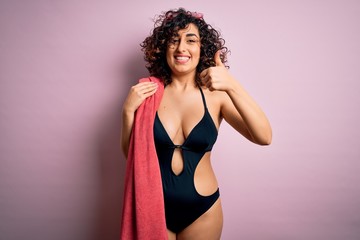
(218, 77)
(137, 94)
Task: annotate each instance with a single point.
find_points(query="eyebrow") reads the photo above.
(191, 35)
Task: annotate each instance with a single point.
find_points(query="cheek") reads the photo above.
(196, 51)
(168, 57)
(196, 54)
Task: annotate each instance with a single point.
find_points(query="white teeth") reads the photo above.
(182, 58)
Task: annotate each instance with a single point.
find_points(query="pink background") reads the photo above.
(66, 67)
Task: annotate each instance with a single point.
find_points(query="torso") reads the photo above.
(179, 113)
(184, 133)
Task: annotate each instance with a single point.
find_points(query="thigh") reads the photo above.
(171, 235)
(208, 226)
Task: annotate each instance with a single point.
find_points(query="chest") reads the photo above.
(179, 114)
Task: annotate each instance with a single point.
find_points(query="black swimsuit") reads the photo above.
(183, 204)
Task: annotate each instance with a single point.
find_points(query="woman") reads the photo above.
(189, 57)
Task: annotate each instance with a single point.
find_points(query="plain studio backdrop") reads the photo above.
(66, 67)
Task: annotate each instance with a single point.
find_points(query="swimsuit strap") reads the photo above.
(203, 97)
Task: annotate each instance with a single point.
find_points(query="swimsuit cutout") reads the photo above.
(183, 204)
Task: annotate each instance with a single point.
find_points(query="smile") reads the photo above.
(182, 59)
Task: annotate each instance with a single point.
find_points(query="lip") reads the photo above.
(181, 58)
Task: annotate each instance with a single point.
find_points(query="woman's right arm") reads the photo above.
(137, 94)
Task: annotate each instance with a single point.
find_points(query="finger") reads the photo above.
(210, 86)
(151, 86)
(204, 73)
(149, 93)
(146, 87)
(205, 79)
(207, 82)
(217, 59)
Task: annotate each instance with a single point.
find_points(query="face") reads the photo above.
(183, 51)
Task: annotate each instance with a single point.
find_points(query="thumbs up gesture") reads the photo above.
(217, 59)
(217, 77)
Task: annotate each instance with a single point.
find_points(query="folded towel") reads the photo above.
(143, 207)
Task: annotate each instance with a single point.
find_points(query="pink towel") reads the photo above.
(143, 210)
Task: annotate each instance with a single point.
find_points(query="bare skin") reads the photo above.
(181, 108)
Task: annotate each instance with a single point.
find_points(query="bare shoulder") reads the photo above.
(215, 97)
(215, 100)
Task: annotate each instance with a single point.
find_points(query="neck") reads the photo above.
(183, 81)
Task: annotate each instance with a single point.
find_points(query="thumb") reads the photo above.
(217, 59)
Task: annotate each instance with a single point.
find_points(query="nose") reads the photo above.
(182, 46)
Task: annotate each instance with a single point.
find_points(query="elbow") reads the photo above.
(125, 153)
(265, 142)
(265, 139)
(124, 148)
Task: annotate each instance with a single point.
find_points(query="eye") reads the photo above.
(174, 41)
(191, 41)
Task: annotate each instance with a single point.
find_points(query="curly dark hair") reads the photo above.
(165, 27)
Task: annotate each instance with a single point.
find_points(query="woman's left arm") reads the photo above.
(238, 109)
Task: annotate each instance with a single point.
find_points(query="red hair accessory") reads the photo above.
(196, 15)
